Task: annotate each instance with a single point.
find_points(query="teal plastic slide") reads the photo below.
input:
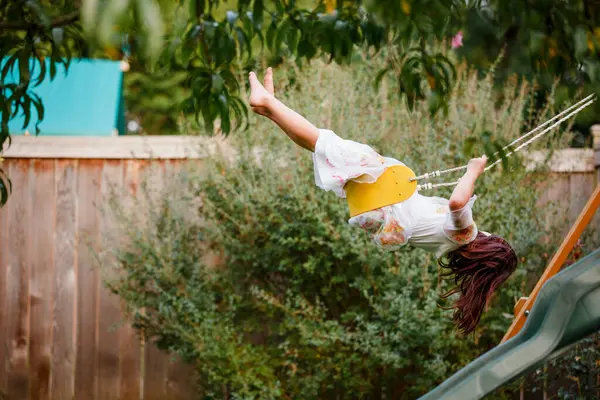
(567, 310)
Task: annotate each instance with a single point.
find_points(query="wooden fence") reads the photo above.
(61, 335)
(573, 179)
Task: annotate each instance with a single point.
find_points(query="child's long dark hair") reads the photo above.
(477, 268)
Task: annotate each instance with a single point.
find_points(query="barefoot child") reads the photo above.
(477, 261)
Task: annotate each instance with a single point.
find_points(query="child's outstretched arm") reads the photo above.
(464, 189)
(263, 102)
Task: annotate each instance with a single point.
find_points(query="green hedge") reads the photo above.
(249, 271)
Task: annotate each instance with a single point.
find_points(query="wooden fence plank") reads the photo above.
(88, 196)
(130, 371)
(181, 381)
(580, 189)
(3, 289)
(555, 193)
(109, 307)
(42, 278)
(16, 339)
(131, 345)
(155, 372)
(65, 307)
(181, 378)
(155, 361)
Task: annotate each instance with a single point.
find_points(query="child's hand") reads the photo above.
(477, 165)
(260, 96)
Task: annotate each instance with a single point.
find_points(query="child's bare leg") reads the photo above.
(263, 102)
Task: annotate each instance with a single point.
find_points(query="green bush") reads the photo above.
(249, 271)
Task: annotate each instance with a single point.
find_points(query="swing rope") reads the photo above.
(427, 186)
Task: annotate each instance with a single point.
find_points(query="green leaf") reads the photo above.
(380, 76)
(42, 18)
(280, 6)
(210, 29)
(306, 49)
(40, 77)
(242, 107)
(225, 46)
(185, 54)
(207, 117)
(501, 155)
(8, 67)
(154, 27)
(26, 106)
(4, 190)
(197, 8)
(237, 114)
(201, 80)
(24, 74)
(15, 98)
(248, 24)
(292, 40)
(271, 30)
(592, 69)
(52, 70)
(488, 145)
(410, 99)
(5, 178)
(39, 107)
(281, 35)
(447, 66)
(243, 5)
(244, 42)
(108, 19)
(257, 13)
(434, 102)
(230, 80)
(89, 11)
(224, 112)
(216, 86)
(580, 39)
(536, 41)
(424, 23)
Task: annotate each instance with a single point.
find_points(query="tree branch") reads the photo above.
(55, 23)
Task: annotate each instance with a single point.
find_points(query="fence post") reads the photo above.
(596, 135)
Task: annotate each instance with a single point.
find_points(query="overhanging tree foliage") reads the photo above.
(211, 43)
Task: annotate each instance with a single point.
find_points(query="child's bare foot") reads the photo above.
(261, 96)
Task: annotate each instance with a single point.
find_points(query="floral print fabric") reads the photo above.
(384, 226)
(337, 161)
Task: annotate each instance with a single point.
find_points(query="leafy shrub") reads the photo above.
(250, 272)
(155, 99)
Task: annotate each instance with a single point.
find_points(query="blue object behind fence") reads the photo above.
(85, 100)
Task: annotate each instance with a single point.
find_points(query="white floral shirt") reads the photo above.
(422, 221)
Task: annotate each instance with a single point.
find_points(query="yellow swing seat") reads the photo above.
(393, 186)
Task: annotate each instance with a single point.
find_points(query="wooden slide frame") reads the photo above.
(525, 304)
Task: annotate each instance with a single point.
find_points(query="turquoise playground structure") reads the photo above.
(85, 100)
